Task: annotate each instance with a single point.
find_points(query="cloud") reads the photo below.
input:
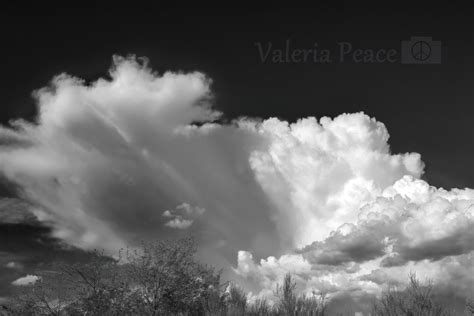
(109, 163)
(26, 280)
(104, 160)
(410, 227)
(179, 222)
(13, 265)
(341, 247)
(381, 277)
(409, 221)
(177, 217)
(323, 171)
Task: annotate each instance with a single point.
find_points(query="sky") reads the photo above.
(155, 123)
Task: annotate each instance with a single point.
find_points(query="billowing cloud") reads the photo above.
(104, 161)
(409, 221)
(26, 280)
(109, 163)
(323, 171)
(410, 227)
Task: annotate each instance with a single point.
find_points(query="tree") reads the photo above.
(292, 304)
(415, 300)
(286, 292)
(160, 278)
(168, 279)
(235, 300)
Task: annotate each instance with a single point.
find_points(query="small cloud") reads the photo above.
(179, 223)
(26, 280)
(190, 210)
(183, 216)
(12, 265)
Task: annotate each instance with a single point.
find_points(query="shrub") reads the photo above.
(286, 293)
(160, 278)
(292, 304)
(415, 300)
(235, 300)
(168, 278)
(260, 308)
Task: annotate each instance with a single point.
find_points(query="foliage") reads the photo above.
(158, 279)
(236, 300)
(260, 307)
(292, 304)
(415, 300)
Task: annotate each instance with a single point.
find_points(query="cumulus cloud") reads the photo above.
(105, 159)
(409, 221)
(323, 171)
(183, 216)
(410, 227)
(109, 163)
(26, 280)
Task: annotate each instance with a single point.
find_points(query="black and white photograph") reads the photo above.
(162, 159)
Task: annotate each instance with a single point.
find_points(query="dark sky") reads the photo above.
(427, 108)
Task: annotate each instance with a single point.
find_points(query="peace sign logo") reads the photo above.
(421, 51)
